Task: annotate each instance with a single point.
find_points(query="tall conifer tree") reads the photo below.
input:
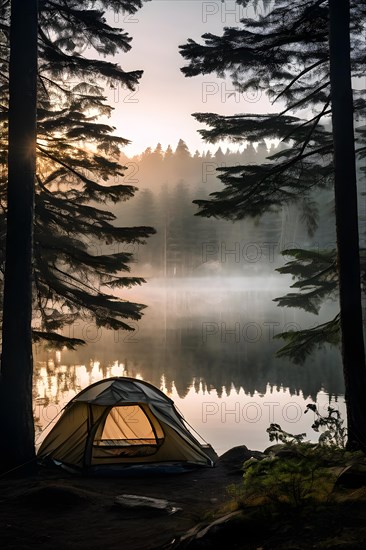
(16, 355)
(291, 54)
(75, 260)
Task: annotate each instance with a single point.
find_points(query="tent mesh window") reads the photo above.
(127, 431)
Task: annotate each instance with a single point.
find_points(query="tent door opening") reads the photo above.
(126, 431)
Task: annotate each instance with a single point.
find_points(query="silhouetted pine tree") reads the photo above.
(182, 151)
(299, 53)
(273, 55)
(79, 251)
(16, 354)
(77, 156)
(168, 153)
(316, 280)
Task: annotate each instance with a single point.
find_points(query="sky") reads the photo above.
(160, 110)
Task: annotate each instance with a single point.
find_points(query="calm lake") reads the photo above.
(208, 343)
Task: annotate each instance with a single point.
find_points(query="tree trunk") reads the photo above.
(17, 437)
(353, 352)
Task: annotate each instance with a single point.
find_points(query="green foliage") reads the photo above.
(294, 481)
(299, 473)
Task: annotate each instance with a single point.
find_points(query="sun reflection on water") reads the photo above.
(224, 418)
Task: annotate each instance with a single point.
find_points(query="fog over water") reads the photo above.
(209, 344)
(207, 336)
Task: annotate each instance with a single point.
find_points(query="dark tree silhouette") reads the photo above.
(79, 251)
(16, 357)
(77, 168)
(345, 186)
(286, 53)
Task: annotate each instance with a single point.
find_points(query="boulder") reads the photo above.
(234, 458)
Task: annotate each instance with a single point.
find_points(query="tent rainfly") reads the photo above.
(122, 422)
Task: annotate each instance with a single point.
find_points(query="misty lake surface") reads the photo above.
(209, 344)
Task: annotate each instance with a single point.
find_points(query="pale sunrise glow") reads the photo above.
(160, 110)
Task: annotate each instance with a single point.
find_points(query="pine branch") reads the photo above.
(57, 341)
(301, 344)
(298, 76)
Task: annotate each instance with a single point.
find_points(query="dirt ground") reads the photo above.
(58, 511)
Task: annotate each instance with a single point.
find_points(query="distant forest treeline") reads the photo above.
(188, 245)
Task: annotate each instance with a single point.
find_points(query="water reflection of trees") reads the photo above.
(172, 343)
(169, 339)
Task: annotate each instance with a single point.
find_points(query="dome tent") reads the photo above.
(120, 423)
